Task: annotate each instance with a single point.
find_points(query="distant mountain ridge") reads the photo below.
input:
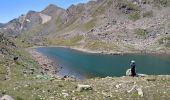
(1, 25)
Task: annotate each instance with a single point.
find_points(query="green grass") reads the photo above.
(99, 45)
(101, 9)
(140, 32)
(164, 3)
(134, 16)
(165, 41)
(72, 41)
(89, 25)
(148, 14)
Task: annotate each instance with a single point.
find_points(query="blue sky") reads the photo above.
(10, 9)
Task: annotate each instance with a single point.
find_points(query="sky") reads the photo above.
(10, 9)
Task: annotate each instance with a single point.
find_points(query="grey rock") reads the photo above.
(6, 97)
(81, 87)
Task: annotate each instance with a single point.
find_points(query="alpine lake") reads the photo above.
(83, 65)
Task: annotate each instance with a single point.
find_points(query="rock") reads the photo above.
(140, 92)
(6, 97)
(81, 87)
(59, 85)
(133, 88)
(32, 69)
(138, 89)
(15, 58)
(65, 94)
(118, 86)
(128, 72)
(141, 75)
(150, 79)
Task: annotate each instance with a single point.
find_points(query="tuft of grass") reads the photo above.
(164, 3)
(134, 16)
(148, 14)
(141, 32)
(19, 98)
(165, 41)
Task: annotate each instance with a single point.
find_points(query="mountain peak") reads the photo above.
(51, 8)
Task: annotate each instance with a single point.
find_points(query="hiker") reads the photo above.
(133, 65)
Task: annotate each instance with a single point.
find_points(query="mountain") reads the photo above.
(1, 25)
(106, 25)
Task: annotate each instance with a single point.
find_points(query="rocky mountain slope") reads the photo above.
(106, 25)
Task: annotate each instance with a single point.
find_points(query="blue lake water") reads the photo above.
(86, 65)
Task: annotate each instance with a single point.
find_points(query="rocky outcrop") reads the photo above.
(45, 18)
(81, 87)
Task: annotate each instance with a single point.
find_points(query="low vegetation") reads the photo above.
(100, 45)
(164, 3)
(134, 16)
(148, 14)
(71, 41)
(165, 41)
(141, 32)
(128, 5)
(102, 8)
(89, 25)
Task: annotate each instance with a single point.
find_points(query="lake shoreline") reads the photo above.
(84, 50)
(48, 66)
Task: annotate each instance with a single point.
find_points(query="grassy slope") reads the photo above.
(46, 89)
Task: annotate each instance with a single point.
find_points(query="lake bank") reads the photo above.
(47, 65)
(111, 52)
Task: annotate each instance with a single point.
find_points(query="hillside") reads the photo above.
(105, 25)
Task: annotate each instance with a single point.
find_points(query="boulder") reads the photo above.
(128, 72)
(140, 92)
(15, 58)
(6, 97)
(138, 89)
(81, 87)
